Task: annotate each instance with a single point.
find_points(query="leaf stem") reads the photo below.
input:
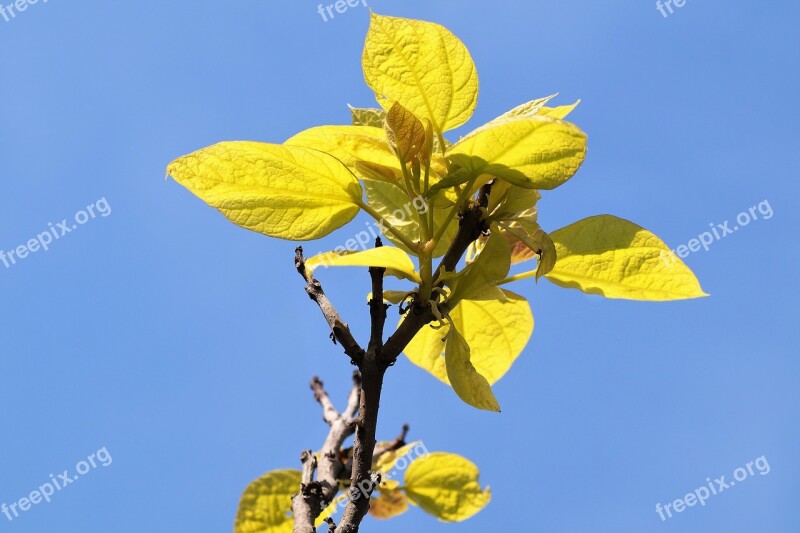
(517, 277)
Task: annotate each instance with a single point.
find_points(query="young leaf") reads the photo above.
(615, 258)
(367, 116)
(508, 200)
(395, 260)
(491, 266)
(424, 67)
(496, 331)
(446, 485)
(404, 132)
(534, 153)
(287, 192)
(528, 240)
(266, 504)
(349, 144)
(467, 382)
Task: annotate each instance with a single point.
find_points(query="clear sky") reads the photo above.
(184, 344)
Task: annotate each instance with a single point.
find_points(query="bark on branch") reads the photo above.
(339, 330)
(316, 494)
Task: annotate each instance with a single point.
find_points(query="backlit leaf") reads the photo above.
(424, 67)
(491, 266)
(467, 382)
(368, 116)
(282, 191)
(526, 110)
(446, 485)
(389, 257)
(495, 331)
(266, 504)
(404, 132)
(348, 144)
(615, 258)
(558, 112)
(388, 504)
(534, 153)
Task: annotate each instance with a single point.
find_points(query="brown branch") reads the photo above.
(315, 495)
(307, 504)
(362, 480)
(339, 330)
(377, 309)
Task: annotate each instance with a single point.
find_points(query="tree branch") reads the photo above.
(307, 504)
(362, 480)
(377, 309)
(339, 330)
(315, 495)
(470, 227)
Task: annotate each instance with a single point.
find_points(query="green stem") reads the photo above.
(517, 277)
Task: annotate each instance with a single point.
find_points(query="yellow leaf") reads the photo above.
(424, 67)
(508, 200)
(367, 116)
(348, 144)
(393, 297)
(281, 191)
(526, 110)
(496, 331)
(528, 240)
(491, 266)
(374, 171)
(266, 504)
(446, 485)
(615, 258)
(468, 383)
(388, 504)
(558, 112)
(386, 462)
(389, 257)
(534, 152)
(404, 132)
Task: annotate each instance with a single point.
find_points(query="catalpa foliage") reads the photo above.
(397, 155)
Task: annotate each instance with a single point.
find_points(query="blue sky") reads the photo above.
(184, 345)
